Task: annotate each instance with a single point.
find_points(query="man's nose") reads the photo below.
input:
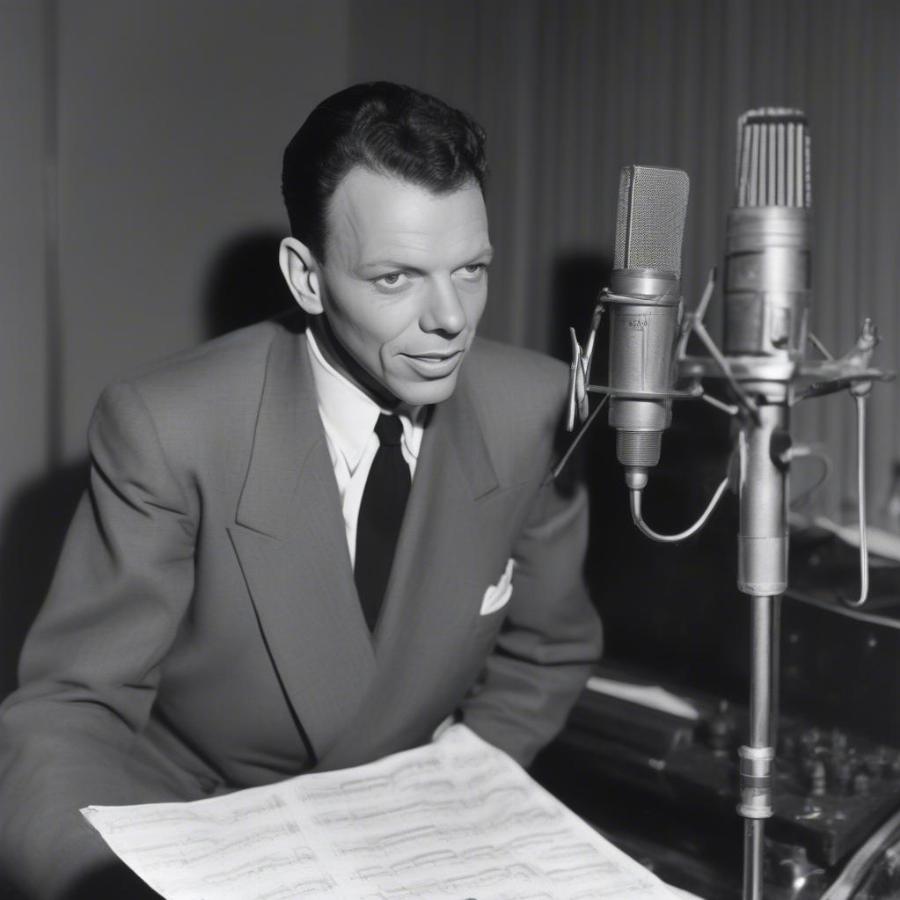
(443, 311)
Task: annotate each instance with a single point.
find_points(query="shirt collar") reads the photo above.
(349, 414)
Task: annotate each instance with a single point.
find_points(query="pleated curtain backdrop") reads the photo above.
(570, 91)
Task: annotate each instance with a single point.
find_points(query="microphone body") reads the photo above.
(767, 284)
(644, 299)
(642, 329)
(767, 297)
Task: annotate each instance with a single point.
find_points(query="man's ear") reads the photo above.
(300, 271)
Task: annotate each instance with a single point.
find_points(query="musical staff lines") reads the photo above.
(454, 819)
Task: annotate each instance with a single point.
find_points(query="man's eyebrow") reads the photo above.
(485, 254)
(387, 265)
(385, 262)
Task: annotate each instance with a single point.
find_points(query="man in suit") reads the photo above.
(308, 543)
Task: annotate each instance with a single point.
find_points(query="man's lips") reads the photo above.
(435, 355)
(435, 364)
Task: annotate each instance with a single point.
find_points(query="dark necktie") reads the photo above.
(380, 517)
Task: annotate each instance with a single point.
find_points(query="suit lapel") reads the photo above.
(424, 633)
(454, 472)
(290, 540)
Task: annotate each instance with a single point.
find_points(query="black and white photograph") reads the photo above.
(450, 449)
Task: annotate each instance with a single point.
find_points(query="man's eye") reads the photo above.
(474, 270)
(391, 279)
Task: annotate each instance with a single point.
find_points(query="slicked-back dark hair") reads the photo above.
(384, 127)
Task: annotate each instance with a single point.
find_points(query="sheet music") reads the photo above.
(456, 819)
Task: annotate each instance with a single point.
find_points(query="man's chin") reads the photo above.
(426, 392)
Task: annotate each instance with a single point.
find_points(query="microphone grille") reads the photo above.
(650, 220)
(773, 158)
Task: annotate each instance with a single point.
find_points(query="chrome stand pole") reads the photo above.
(757, 757)
(762, 576)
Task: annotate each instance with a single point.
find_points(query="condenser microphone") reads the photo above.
(767, 295)
(644, 299)
(767, 244)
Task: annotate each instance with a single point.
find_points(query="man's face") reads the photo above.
(405, 281)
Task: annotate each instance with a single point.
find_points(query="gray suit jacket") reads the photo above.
(203, 630)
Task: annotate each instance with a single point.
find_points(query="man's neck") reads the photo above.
(338, 356)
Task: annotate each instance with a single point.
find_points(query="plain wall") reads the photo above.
(140, 157)
(173, 117)
(23, 252)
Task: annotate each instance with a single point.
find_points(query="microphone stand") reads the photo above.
(764, 391)
(765, 453)
(762, 575)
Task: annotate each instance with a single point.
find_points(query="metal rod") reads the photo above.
(861, 500)
(753, 857)
(687, 327)
(760, 670)
(722, 363)
(762, 577)
(692, 393)
(774, 671)
(728, 408)
(555, 471)
(596, 318)
(820, 347)
(762, 632)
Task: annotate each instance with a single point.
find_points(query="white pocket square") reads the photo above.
(497, 595)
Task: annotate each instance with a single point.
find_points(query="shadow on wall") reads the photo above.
(577, 281)
(31, 536)
(243, 286)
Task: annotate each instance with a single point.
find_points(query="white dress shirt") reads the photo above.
(349, 416)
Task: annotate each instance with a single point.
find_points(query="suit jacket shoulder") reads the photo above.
(204, 401)
(195, 384)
